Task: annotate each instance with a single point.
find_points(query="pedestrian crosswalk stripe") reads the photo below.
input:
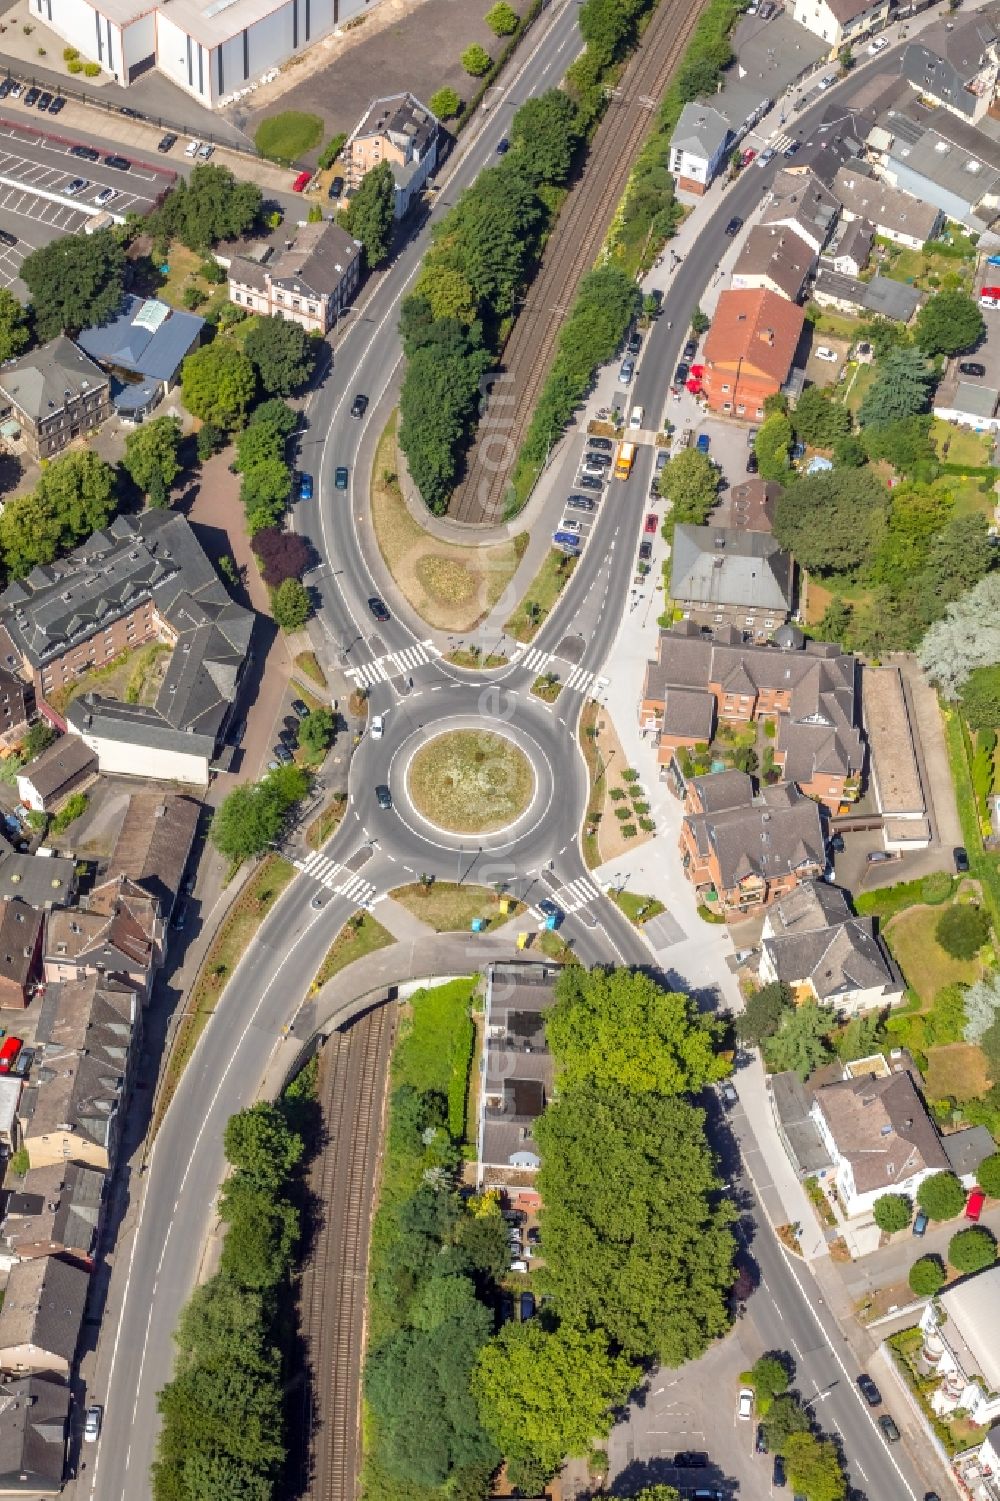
(537, 660)
(338, 879)
(393, 664)
(779, 141)
(571, 897)
(579, 680)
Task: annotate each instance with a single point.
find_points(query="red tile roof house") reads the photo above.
(749, 351)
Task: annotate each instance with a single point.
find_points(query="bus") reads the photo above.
(625, 460)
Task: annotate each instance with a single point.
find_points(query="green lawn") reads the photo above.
(449, 907)
(929, 272)
(960, 445)
(857, 380)
(360, 936)
(925, 965)
(636, 907)
(286, 137)
(537, 604)
(434, 1050)
(836, 325)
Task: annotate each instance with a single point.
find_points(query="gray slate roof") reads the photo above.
(40, 880)
(44, 1306)
(34, 1413)
(154, 353)
(800, 200)
(60, 763)
(777, 252)
(689, 714)
(701, 130)
(37, 383)
(60, 1205)
(966, 1149)
(712, 565)
(887, 207)
(881, 1127)
(777, 834)
(837, 958)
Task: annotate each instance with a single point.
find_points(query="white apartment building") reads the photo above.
(841, 21)
(961, 1346)
(309, 282)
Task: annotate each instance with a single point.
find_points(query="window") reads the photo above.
(727, 406)
(725, 388)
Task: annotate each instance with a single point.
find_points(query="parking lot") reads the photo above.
(38, 166)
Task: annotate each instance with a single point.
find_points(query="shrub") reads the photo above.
(927, 1276)
(989, 1175)
(476, 60)
(91, 70)
(962, 930)
(332, 150)
(971, 1250)
(444, 103)
(74, 66)
(502, 19)
(936, 887)
(70, 54)
(892, 1212)
(941, 1196)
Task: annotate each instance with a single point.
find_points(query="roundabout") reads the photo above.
(470, 781)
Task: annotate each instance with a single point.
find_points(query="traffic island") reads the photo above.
(470, 782)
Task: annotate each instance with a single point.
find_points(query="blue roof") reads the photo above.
(155, 353)
(136, 397)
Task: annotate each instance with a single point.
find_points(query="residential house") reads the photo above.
(944, 161)
(42, 1316)
(896, 215)
(142, 347)
(895, 773)
(775, 258)
(956, 63)
(967, 403)
(310, 282)
(517, 1073)
(119, 932)
(154, 844)
(142, 580)
(65, 766)
(841, 136)
(699, 146)
(850, 251)
(750, 506)
(401, 131)
(808, 688)
(750, 351)
(881, 296)
(16, 706)
(740, 852)
(966, 1149)
(34, 1429)
(841, 23)
(721, 576)
(960, 1346)
(10, 1103)
(57, 1211)
(55, 394)
(879, 1137)
(812, 942)
(42, 881)
(20, 952)
(801, 203)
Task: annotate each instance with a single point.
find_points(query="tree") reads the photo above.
(832, 521)
(291, 605)
(981, 1005)
(209, 441)
(989, 1175)
(281, 555)
(261, 1235)
(882, 334)
(251, 817)
(907, 446)
(282, 353)
(691, 483)
(980, 698)
(968, 637)
(962, 930)
(860, 1038)
(443, 103)
(658, 1493)
(549, 1395)
(152, 450)
(892, 1212)
(619, 1029)
(772, 445)
(437, 404)
(972, 1250)
(545, 132)
(604, 26)
(476, 60)
(801, 1043)
(264, 491)
(75, 282)
(761, 1017)
(158, 495)
(818, 419)
(370, 215)
(927, 1277)
(502, 19)
(211, 205)
(637, 1241)
(941, 1196)
(697, 76)
(74, 497)
(258, 1142)
(218, 384)
(901, 388)
(39, 737)
(14, 333)
(277, 415)
(769, 1378)
(813, 1467)
(949, 323)
(784, 1417)
(849, 452)
(958, 558)
(700, 324)
(317, 730)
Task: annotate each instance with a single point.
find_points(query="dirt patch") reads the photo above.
(956, 1071)
(470, 781)
(452, 588)
(610, 839)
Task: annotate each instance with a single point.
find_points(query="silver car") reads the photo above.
(626, 372)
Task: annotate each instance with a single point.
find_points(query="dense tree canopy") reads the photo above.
(690, 481)
(941, 1196)
(75, 282)
(218, 384)
(762, 1014)
(291, 605)
(813, 1467)
(972, 1250)
(902, 387)
(832, 521)
(14, 333)
(892, 1212)
(966, 638)
(74, 497)
(282, 353)
(949, 323)
(801, 1042)
(209, 206)
(818, 419)
(927, 1276)
(439, 398)
(545, 132)
(252, 815)
(980, 698)
(259, 1142)
(620, 1030)
(153, 449)
(371, 213)
(772, 446)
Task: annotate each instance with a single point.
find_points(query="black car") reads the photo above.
(734, 226)
(281, 753)
(377, 608)
(336, 188)
(130, 113)
(681, 373)
(383, 796)
(603, 445)
(6, 238)
(57, 105)
(645, 551)
(180, 916)
(120, 163)
(634, 342)
(503, 146)
(506, 1307)
(590, 482)
(961, 858)
(889, 1429)
(690, 349)
(972, 367)
(580, 503)
(778, 1471)
(602, 460)
(300, 708)
(85, 153)
(167, 142)
(44, 100)
(359, 405)
(31, 98)
(340, 477)
(6, 85)
(752, 463)
(869, 1390)
(527, 1307)
(791, 149)
(690, 1459)
(760, 1443)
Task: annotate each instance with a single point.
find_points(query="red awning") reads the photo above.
(698, 370)
(694, 386)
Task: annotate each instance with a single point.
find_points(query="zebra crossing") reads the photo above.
(570, 898)
(576, 679)
(393, 664)
(780, 141)
(337, 878)
(537, 660)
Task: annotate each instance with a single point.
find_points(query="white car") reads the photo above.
(378, 726)
(744, 1409)
(567, 525)
(878, 45)
(192, 148)
(106, 195)
(205, 151)
(635, 420)
(827, 82)
(92, 1425)
(829, 356)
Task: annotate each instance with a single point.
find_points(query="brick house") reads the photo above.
(401, 131)
(16, 704)
(55, 394)
(20, 952)
(749, 351)
(742, 852)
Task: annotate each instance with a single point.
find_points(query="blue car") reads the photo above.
(993, 260)
(568, 541)
(704, 443)
(305, 487)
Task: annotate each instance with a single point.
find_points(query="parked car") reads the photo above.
(567, 524)
(597, 456)
(827, 82)
(106, 195)
(878, 45)
(635, 419)
(767, 155)
(44, 100)
(704, 443)
(359, 405)
(57, 106)
(519, 1265)
(6, 238)
(961, 857)
(378, 608)
(527, 1302)
(753, 463)
(634, 342)
(645, 551)
(377, 727)
(690, 1459)
(602, 445)
(92, 1424)
(8, 1052)
(760, 1442)
(889, 1429)
(869, 1390)
(31, 98)
(281, 753)
(681, 373)
(727, 1089)
(734, 226)
(920, 1223)
(301, 182)
(383, 797)
(205, 151)
(747, 157)
(300, 708)
(336, 188)
(581, 503)
(626, 372)
(167, 143)
(778, 1472)
(86, 153)
(744, 1405)
(6, 84)
(180, 917)
(120, 163)
(690, 350)
(305, 487)
(130, 113)
(974, 1204)
(503, 146)
(791, 149)
(340, 477)
(829, 356)
(972, 367)
(76, 186)
(506, 1307)
(662, 460)
(590, 481)
(651, 524)
(566, 541)
(192, 148)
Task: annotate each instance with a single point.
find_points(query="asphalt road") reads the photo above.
(158, 1260)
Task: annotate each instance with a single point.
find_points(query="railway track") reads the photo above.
(571, 251)
(353, 1073)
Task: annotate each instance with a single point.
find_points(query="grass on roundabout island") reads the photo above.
(470, 781)
(450, 907)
